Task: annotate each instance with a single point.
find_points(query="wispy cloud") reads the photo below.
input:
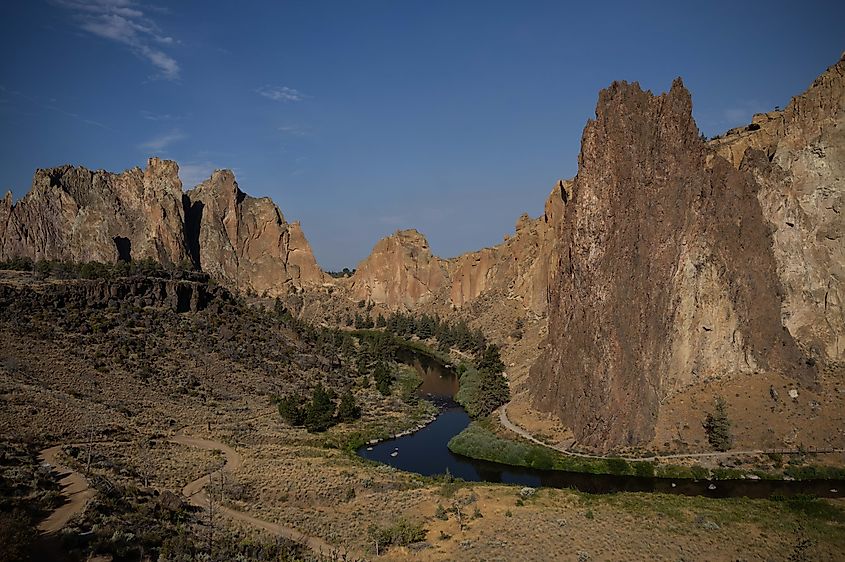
(295, 130)
(194, 173)
(153, 116)
(280, 93)
(125, 22)
(161, 142)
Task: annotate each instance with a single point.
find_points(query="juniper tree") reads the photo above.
(718, 427)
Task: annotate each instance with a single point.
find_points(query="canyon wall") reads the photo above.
(76, 214)
(678, 261)
(797, 157)
(401, 271)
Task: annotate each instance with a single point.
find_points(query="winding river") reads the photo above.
(425, 452)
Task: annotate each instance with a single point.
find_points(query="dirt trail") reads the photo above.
(508, 424)
(196, 495)
(74, 487)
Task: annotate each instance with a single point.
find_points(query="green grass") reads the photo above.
(479, 442)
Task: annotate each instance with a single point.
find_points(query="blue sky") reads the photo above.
(359, 118)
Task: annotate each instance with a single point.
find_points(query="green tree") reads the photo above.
(291, 411)
(348, 409)
(383, 377)
(320, 411)
(491, 360)
(718, 427)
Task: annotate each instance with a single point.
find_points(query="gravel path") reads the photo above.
(508, 424)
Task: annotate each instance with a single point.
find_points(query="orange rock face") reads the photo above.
(75, 214)
(666, 273)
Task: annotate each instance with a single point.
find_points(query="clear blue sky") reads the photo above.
(359, 118)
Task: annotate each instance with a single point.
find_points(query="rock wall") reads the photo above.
(401, 271)
(246, 240)
(797, 157)
(179, 295)
(664, 273)
(72, 213)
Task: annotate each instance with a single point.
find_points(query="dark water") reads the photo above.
(425, 452)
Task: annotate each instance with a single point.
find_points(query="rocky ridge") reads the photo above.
(76, 214)
(676, 262)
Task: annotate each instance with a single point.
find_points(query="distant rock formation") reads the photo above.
(401, 271)
(72, 213)
(246, 240)
(82, 215)
(666, 273)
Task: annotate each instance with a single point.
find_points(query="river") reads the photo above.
(425, 452)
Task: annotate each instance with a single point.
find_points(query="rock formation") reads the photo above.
(246, 240)
(75, 214)
(797, 157)
(400, 272)
(665, 273)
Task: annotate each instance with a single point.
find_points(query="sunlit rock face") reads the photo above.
(665, 273)
(72, 213)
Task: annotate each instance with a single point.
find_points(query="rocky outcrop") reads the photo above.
(797, 157)
(76, 214)
(246, 240)
(189, 294)
(517, 268)
(400, 272)
(665, 273)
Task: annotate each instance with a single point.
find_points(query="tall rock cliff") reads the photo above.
(76, 214)
(665, 273)
(247, 240)
(72, 213)
(797, 156)
(400, 272)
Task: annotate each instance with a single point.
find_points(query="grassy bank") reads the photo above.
(479, 441)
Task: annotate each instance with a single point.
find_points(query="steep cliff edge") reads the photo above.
(797, 156)
(246, 240)
(665, 274)
(75, 214)
(72, 213)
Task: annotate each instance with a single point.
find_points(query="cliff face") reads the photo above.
(664, 273)
(797, 156)
(247, 240)
(75, 214)
(402, 272)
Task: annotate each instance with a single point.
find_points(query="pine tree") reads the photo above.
(383, 378)
(320, 411)
(290, 410)
(718, 427)
(348, 409)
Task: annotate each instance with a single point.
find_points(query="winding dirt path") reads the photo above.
(508, 424)
(195, 493)
(74, 487)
